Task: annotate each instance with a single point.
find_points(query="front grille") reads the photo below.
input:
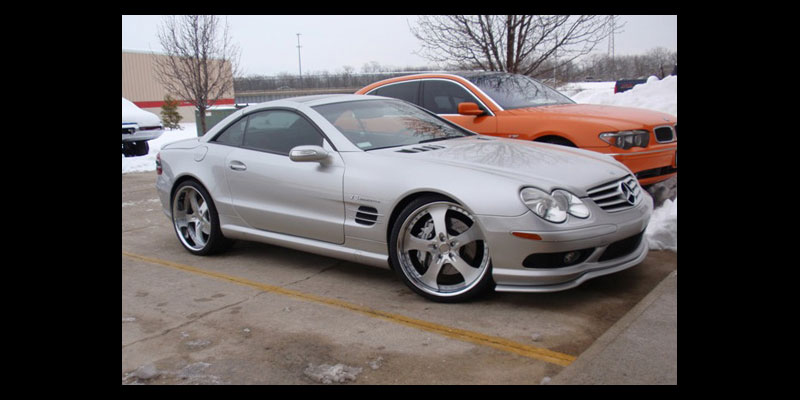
(664, 134)
(617, 195)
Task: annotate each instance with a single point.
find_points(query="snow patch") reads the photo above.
(327, 374)
(662, 232)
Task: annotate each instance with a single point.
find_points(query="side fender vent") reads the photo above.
(366, 215)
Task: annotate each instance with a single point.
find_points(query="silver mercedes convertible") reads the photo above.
(382, 182)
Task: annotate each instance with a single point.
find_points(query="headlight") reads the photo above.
(575, 206)
(554, 207)
(626, 139)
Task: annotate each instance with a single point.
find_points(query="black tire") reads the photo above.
(197, 230)
(135, 149)
(446, 282)
(127, 149)
(142, 148)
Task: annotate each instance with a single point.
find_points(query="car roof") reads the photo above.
(462, 74)
(310, 101)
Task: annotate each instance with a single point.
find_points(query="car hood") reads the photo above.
(539, 164)
(613, 116)
(131, 114)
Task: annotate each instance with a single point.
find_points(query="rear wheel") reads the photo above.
(439, 251)
(195, 219)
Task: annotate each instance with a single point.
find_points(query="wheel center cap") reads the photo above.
(444, 248)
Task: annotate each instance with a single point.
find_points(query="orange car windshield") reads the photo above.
(378, 124)
(517, 91)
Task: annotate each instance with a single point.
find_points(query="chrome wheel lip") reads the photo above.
(191, 218)
(444, 246)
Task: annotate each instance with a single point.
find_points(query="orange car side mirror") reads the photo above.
(470, 109)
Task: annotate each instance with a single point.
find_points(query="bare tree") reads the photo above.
(201, 60)
(511, 43)
(662, 57)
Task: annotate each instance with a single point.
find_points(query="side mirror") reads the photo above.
(307, 153)
(470, 109)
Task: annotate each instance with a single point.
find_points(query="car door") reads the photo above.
(273, 193)
(443, 96)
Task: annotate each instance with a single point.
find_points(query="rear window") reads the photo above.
(404, 91)
(517, 91)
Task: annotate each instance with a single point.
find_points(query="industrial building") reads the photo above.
(139, 85)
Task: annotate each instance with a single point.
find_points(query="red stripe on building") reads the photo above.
(181, 103)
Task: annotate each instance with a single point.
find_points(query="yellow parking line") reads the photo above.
(455, 333)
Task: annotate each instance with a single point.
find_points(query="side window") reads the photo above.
(442, 97)
(278, 131)
(403, 91)
(234, 134)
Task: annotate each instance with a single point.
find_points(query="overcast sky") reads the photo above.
(329, 42)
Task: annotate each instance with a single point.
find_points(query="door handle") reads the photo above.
(237, 166)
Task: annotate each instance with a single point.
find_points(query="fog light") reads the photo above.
(571, 257)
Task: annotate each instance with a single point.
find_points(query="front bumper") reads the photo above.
(651, 165)
(610, 242)
(142, 135)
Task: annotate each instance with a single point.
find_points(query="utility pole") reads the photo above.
(613, 22)
(299, 66)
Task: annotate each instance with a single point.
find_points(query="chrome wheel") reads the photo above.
(441, 250)
(192, 219)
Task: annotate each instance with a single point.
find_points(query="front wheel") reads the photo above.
(439, 251)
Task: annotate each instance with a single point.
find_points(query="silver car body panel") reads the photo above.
(312, 206)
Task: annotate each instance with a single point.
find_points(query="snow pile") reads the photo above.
(133, 114)
(657, 95)
(662, 232)
(148, 162)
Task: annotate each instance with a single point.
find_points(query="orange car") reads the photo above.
(515, 106)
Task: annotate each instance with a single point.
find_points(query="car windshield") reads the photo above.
(517, 91)
(378, 124)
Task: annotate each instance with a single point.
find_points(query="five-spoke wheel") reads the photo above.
(195, 219)
(440, 251)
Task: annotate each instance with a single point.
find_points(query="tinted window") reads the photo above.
(278, 131)
(403, 91)
(234, 134)
(517, 91)
(442, 97)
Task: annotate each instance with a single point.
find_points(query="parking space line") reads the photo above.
(451, 332)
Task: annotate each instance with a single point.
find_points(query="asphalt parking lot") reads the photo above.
(261, 314)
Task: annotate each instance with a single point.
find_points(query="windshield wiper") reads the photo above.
(385, 147)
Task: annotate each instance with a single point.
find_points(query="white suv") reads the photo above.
(138, 126)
